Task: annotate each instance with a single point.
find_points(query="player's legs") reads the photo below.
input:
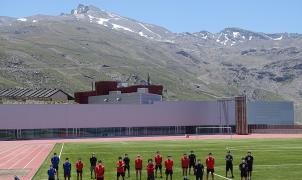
(167, 174)
(57, 172)
(207, 176)
(81, 175)
(161, 171)
(123, 176)
(140, 174)
(128, 169)
(250, 175)
(212, 174)
(92, 170)
(232, 171)
(117, 176)
(78, 175)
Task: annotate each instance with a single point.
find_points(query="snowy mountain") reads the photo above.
(44, 51)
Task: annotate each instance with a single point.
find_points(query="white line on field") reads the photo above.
(221, 176)
(61, 150)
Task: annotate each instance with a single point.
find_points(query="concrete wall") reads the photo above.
(205, 113)
(110, 115)
(272, 112)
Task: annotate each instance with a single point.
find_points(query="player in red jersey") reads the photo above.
(150, 170)
(185, 165)
(79, 168)
(210, 163)
(99, 171)
(158, 164)
(138, 166)
(120, 168)
(169, 167)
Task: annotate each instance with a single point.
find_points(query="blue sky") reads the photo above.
(181, 15)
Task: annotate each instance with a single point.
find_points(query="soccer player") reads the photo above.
(199, 170)
(192, 158)
(185, 165)
(51, 173)
(120, 169)
(79, 168)
(150, 170)
(249, 159)
(93, 161)
(158, 164)
(229, 164)
(100, 171)
(210, 163)
(138, 166)
(127, 164)
(169, 167)
(67, 169)
(55, 160)
(243, 167)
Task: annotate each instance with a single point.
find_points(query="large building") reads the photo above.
(106, 115)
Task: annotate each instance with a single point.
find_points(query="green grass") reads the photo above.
(274, 159)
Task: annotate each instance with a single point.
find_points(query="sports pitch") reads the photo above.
(273, 158)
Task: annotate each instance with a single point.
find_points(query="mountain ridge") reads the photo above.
(58, 51)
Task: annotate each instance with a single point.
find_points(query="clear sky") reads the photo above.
(181, 15)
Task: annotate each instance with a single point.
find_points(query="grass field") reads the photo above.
(274, 158)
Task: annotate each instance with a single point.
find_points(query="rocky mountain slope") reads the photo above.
(61, 51)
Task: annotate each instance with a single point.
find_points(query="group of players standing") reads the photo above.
(153, 168)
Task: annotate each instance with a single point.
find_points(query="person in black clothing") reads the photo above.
(243, 167)
(93, 161)
(199, 170)
(229, 164)
(249, 159)
(192, 158)
(127, 164)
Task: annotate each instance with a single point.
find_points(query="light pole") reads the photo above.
(92, 78)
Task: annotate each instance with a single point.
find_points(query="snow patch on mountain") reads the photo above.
(102, 21)
(22, 19)
(278, 39)
(236, 34)
(149, 30)
(116, 26)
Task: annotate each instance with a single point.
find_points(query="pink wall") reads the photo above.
(124, 115)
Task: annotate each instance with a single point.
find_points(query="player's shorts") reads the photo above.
(80, 171)
(51, 178)
(158, 166)
(127, 167)
(138, 169)
(169, 172)
(150, 177)
(249, 168)
(229, 167)
(100, 178)
(185, 167)
(210, 171)
(243, 174)
(120, 174)
(192, 165)
(66, 175)
(92, 168)
(56, 168)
